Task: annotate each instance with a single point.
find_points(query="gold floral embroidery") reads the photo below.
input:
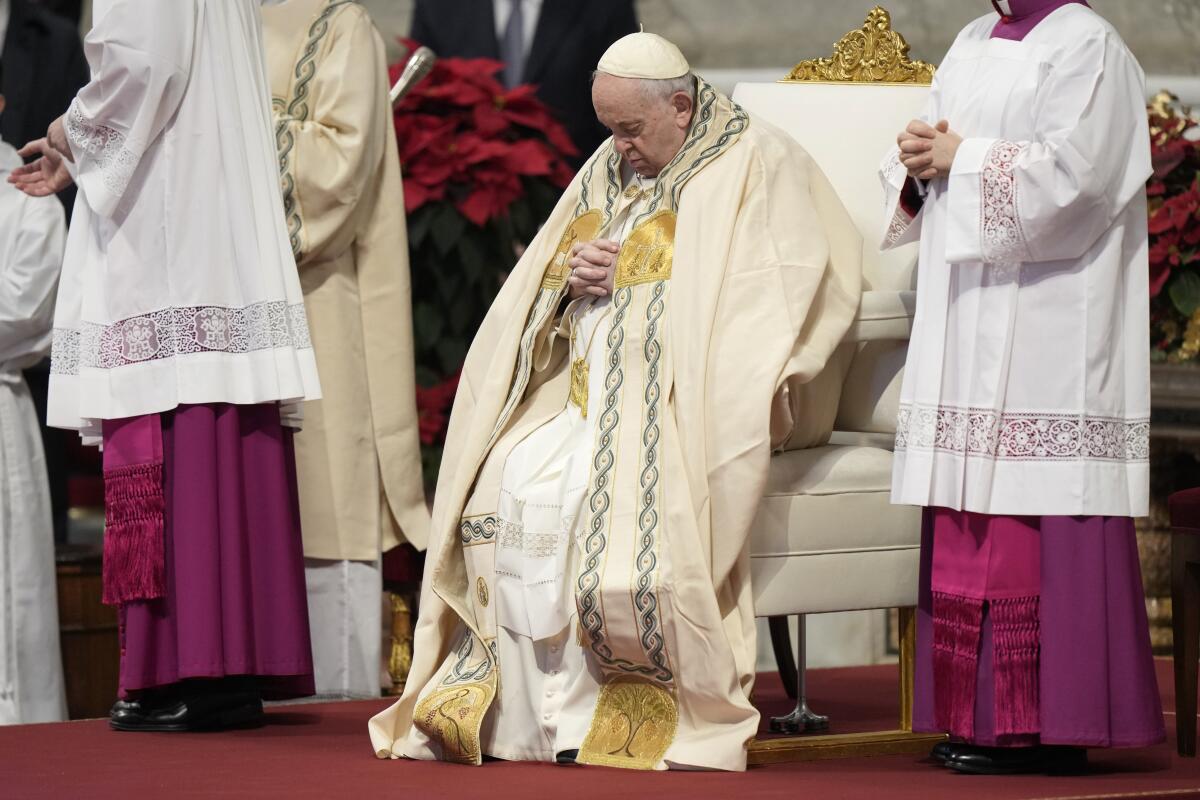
(482, 590)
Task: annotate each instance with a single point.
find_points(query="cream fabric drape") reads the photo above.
(762, 250)
(344, 204)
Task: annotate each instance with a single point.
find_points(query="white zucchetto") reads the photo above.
(643, 55)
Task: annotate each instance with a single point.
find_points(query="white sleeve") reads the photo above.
(29, 276)
(902, 221)
(140, 53)
(1052, 198)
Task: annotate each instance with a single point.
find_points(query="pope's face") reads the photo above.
(647, 129)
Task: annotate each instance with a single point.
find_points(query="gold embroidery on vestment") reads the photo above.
(452, 717)
(633, 725)
(482, 590)
(580, 374)
(582, 229)
(647, 254)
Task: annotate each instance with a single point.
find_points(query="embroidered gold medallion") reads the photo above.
(482, 591)
(647, 254)
(579, 384)
(582, 229)
(634, 724)
(453, 716)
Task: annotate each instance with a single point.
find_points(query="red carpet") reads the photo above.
(322, 751)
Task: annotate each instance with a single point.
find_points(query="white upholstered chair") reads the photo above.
(826, 537)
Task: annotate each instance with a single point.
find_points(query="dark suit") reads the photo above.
(44, 67)
(571, 36)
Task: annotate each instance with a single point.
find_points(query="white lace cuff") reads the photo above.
(984, 220)
(106, 148)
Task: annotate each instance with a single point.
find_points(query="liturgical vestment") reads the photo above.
(181, 343)
(32, 231)
(738, 270)
(1024, 419)
(1026, 389)
(175, 289)
(358, 457)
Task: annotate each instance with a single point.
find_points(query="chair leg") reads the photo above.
(907, 639)
(1185, 608)
(781, 643)
(802, 718)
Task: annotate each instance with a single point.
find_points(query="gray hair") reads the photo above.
(665, 88)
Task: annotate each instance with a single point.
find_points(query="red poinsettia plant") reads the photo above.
(1174, 204)
(483, 166)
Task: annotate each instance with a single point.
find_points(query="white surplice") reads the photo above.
(179, 284)
(32, 232)
(1026, 389)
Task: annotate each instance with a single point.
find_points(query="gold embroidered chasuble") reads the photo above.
(741, 274)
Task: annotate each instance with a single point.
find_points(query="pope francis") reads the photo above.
(586, 594)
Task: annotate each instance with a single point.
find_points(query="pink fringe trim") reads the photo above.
(956, 630)
(134, 561)
(1016, 637)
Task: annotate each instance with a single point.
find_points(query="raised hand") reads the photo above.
(593, 265)
(46, 176)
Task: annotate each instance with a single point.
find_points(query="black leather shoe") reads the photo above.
(944, 751)
(126, 712)
(1018, 760)
(566, 757)
(202, 713)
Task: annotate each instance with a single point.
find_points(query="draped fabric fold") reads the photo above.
(740, 244)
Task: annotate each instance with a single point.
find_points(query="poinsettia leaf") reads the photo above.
(418, 226)
(446, 227)
(1185, 293)
(451, 352)
(427, 323)
(520, 221)
(471, 257)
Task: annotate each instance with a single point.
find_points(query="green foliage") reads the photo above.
(457, 270)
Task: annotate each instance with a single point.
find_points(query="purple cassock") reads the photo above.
(203, 550)
(1032, 629)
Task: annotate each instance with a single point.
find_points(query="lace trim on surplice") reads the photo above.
(1000, 234)
(1027, 436)
(180, 331)
(105, 146)
(901, 219)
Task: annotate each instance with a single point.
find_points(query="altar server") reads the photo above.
(1024, 422)
(181, 342)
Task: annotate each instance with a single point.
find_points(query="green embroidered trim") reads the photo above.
(297, 110)
(471, 666)
(645, 599)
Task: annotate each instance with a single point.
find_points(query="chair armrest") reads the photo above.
(883, 315)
